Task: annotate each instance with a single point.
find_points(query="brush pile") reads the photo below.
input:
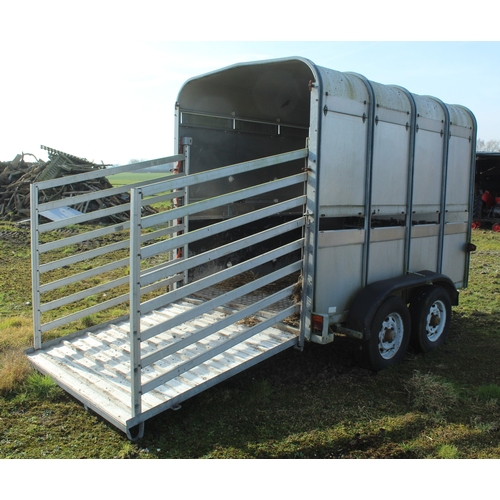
(17, 175)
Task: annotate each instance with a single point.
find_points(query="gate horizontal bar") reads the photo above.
(68, 299)
(72, 179)
(239, 220)
(85, 275)
(217, 350)
(84, 312)
(213, 279)
(218, 173)
(120, 245)
(163, 197)
(192, 338)
(220, 300)
(103, 193)
(224, 199)
(78, 238)
(211, 255)
(225, 225)
(97, 214)
(164, 283)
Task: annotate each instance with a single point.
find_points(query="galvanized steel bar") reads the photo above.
(35, 268)
(76, 278)
(85, 312)
(95, 195)
(444, 183)
(78, 238)
(220, 276)
(244, 120)
(159, 199)
(217, 350)
(135, 302)
(218, 173)
(98, 214)
(120, 245)
(472, 192)
(370, 132)
(178, 267)
(169, 231)
(410, 184)
(216, 327)
(224, 199)
(186, 145)
(172, 280)
(221, 300)
(219, 227)
(71, 179)
(69, 299)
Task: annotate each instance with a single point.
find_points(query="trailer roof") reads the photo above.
(276, 89)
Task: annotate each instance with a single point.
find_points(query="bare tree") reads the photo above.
(488, 146)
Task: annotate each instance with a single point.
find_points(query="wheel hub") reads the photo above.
(390, 335)
(436, 320)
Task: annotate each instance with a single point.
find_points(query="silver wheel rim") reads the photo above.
(390, 335)
(435, 321)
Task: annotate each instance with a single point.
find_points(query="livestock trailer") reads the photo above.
(302, 203)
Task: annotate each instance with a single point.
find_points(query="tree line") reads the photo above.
(488, 146)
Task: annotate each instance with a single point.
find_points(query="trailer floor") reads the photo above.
(95, 366)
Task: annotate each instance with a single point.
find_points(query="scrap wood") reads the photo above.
(17, 175)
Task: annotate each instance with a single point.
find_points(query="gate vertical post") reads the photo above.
(186, 145)
(35, 267)
(135, 300)
(308, 256)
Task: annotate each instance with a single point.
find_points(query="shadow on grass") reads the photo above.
(320, 403)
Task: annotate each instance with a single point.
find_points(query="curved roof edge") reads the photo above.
(312, 66)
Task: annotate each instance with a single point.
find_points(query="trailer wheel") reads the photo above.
(389, 334)
(430, 313)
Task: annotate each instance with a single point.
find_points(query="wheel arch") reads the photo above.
(367, 302)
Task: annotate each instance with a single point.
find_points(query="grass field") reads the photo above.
(315, 404)
(125, 178)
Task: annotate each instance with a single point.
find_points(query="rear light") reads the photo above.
(317, 322)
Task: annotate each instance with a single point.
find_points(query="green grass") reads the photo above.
(447, 451)
(318, 403)
(125, 178)
(42, 387)
(489, 392)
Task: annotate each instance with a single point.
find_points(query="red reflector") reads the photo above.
(317, 322)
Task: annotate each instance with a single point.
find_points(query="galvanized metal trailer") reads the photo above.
(291, 180)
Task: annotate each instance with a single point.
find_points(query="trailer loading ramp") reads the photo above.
(95, 366)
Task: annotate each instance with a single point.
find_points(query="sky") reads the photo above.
(99, 79)
(111, 98)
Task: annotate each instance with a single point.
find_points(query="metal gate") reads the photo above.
(186, 330)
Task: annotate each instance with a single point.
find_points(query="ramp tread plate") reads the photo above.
(95, 367)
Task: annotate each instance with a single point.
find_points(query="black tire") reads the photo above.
(477, 207)
(430, 312)
(389, 335)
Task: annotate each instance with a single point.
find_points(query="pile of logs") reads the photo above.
(17, 175)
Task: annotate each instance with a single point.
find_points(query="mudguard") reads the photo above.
(368, 300)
